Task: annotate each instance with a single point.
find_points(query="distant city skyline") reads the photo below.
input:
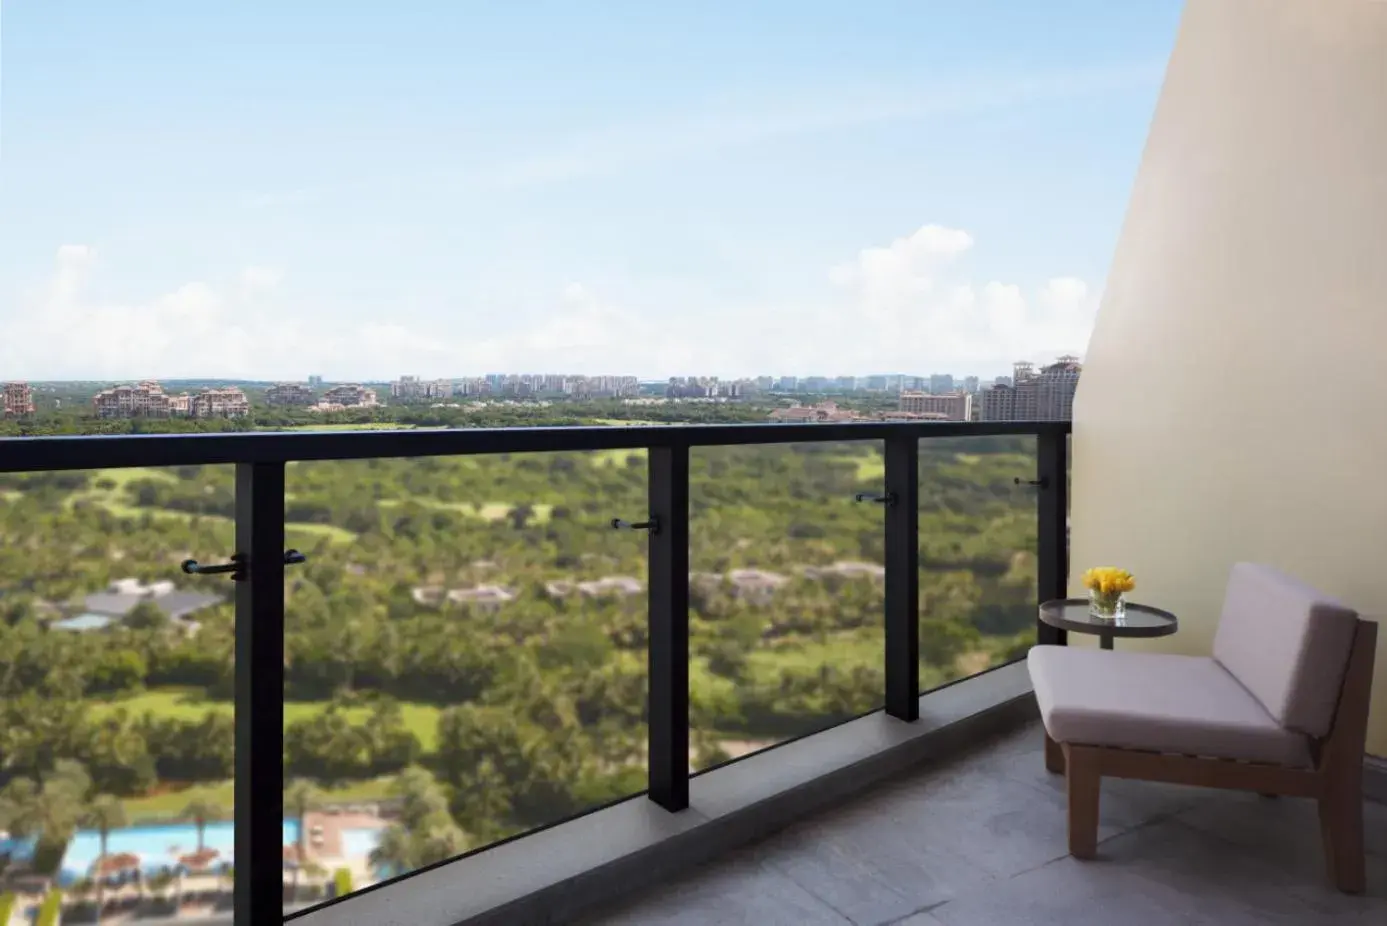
(235, 191)
(929, 382)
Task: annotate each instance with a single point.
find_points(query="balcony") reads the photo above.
(977, 840)
(671, 776)
(762, 633)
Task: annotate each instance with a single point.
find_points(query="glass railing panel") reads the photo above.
(116, 674)
(786, 593)
(978, 544)
(466, 657)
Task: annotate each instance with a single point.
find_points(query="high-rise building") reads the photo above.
(970, 384)
(219, 403)
(1055, 388)
(1044, 396)
(350, 395)
(955, 406)
(289, 394)
(477, 386)
(941, 383)
(408, 389)
(16, 399)
(315, 381)
(141, 400)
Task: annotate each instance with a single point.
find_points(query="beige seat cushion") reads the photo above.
(1287, 643)
(1180, 704)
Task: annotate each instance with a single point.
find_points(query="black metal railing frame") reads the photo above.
(260, 557)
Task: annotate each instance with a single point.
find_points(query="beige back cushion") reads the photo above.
(1287, 644)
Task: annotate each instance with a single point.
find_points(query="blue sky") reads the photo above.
(365, 189)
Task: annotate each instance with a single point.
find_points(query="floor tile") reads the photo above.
(1216, 879)
(923, 918)
(740, 891)
(981, 841)
(1063, 893)
(870, 869)
(1123, 804)
(1000, 825)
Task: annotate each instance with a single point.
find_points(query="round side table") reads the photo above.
(1138, 620)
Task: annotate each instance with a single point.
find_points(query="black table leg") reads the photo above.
(1105, 640)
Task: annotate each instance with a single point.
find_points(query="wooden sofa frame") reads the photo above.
(1335, 781)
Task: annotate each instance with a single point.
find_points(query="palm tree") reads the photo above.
(19, 807)
(314, 872)
(103, 814)
(50, 810)
(394, 850)
(440, 842)
(202, 810)
(301, 797)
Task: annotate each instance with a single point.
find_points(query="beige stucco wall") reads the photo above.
(1234, 398)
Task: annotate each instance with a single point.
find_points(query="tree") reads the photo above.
(19, 803)
(201, 810)
(301, 797)
(146, 616)
(50, 810)
(103, 814)
(426, 832)
(394, 851)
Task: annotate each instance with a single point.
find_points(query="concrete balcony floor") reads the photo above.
(980, 841)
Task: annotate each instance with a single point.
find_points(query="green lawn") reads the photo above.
(190, 704)
(871, 466)
(116, 500)
(368, 426)
(123, 476)
(616, 457)
(312, 531)
(489, 511)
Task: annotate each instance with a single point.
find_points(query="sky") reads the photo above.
(268, 189)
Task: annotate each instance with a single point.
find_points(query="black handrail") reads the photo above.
(37, 454)
(260, 558)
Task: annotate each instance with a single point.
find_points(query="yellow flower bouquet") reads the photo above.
(1106, 587)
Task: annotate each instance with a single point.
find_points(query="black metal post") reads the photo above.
(903, 577)
(1052, 566)
(668, 682)
(259, 788)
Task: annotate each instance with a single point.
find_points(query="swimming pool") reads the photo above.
(157, 846)
(360, 843)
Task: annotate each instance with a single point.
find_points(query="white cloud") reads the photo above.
(906, 306)
(902, 270)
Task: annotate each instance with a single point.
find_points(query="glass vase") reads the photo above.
(1107, 607)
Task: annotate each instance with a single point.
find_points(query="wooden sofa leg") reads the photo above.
(1341, 823)
(1054, 756)
(1084, 786)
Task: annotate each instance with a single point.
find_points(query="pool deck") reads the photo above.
(326, 845)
